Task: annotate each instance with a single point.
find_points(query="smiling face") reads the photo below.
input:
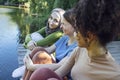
(66, 27)
(54, 20)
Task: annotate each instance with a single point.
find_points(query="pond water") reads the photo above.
(9, 39)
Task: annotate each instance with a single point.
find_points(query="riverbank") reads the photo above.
(14, 7)
(4, 6)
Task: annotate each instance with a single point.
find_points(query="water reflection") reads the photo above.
(9, 33)
(5, 10)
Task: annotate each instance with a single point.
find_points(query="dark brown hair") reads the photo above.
(98, 17)
(69, 15)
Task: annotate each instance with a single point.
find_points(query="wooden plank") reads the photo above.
(21, 53)
(113, 47)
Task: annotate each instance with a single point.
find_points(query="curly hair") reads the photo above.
(100, 17)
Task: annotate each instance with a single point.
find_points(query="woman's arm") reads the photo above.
(50, 49)
(28, 37)
(50, 39)
(67, 66)
(42, 31)
(30, 66)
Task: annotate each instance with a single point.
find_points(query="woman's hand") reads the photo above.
(28, 62)
(31, 45)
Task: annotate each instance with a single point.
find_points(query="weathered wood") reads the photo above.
(113, 47)
(21, 53)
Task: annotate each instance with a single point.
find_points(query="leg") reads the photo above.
(27, 74)
(44, 74)
(40, 57)
(35, 50)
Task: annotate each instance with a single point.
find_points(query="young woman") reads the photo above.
(96, 25)
(47, 35)
(63, 47)
(43, 37)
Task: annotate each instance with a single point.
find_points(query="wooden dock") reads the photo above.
(21, 53)
(113, 47)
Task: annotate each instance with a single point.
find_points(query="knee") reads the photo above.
(40, 74)
(44, 70)
(37, 49)
(44, 74)
(41, 57)
(34, 51)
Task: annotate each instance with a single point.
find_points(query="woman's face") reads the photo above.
(81, 40)
(66, 27)
(54, 20)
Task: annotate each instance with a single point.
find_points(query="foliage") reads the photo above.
(38, 13)
(40, 8)
(65, 4)
(43, 8)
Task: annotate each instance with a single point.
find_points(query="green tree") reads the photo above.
(65, 4)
